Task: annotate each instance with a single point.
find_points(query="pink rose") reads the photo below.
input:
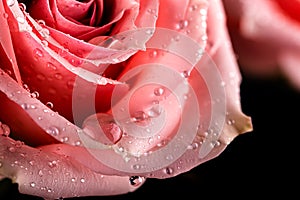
(96, 97)
(265, 36)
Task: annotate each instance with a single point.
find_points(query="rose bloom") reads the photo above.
(265, 37)
(97, 96)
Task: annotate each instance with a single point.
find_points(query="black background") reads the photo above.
(258, 164)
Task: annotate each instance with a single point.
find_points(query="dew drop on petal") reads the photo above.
(1, 164)
(35, 94)
(186, 74)
(4, 129)
(53, 130)
(153, 54)
(136, 180)
(82, 180)
(49, 104)
(168, 171)
(22, 6)
(159, 91)
(58, 76)
(182, 24)
(38, 53)
(32, 184)
(40, 173)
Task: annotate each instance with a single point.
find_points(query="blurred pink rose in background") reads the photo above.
(266, 37)
(97, 96)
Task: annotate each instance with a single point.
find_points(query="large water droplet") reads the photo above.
(53, 130)
(136, 180)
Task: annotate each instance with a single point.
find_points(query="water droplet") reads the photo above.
(31, 162)
(52, 164)
(1, 164)
(203, 12)
(73, 179)
(12, 149)
(70, 84)
(45, 33)
(154, 111)
(65, 139)
(41, 22)
(49, 104)
(215, 143)
(82, 180)
(32, 184)
(53, 130)
(58, 76)
(168, 170)
(10, 2)
(51, 66)
(19, 144)
(186, 74)
(153, 54)
(34, 94)
(38, 53)
(4, 129)
(182, 24)
(40, 173)
(22, 7)
(44, 43)
(77, 143)
(193, 7)
(136, 166)
(136, 180)
(159, 91)
(139, 116)
(231, 122)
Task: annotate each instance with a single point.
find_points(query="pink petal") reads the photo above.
(76, 10)
(9, 61)
(215, 79)
(52, 176)
(262, 39)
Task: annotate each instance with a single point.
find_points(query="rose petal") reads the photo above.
(216, 82)
(37, 171)
(291, 68)
(76, 10)
(261, 39)
(9, 61)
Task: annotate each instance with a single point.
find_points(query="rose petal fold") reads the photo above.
(53, 176)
